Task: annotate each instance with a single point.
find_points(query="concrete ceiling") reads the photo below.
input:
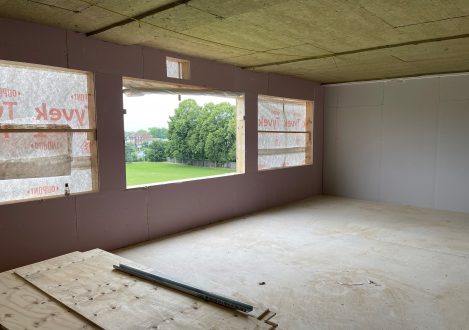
(323, 40)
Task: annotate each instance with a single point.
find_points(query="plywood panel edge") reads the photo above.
(114, 300)
(23, 306)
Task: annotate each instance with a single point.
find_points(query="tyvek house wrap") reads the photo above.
(39, 151)
(281, 149)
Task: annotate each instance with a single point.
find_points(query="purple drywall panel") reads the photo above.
(250, 132)
(111, 220)
(318, 139)
(286, 185)
(85, 53)
(250, 81)
(36, 231)
(110, 130)
(180, 206)
(191, 203)
(115, 217)
(289, 87)
(199, 202)
(154, 64)
(212, 74)
(25, 42)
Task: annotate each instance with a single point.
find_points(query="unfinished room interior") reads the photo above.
(234, 164)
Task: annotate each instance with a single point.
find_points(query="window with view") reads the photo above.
(177, 132)
(47, 132)
(284, 129)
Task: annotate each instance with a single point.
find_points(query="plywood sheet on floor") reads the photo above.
(114, 300)
(22, 306)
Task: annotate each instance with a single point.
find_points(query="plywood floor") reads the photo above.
(331, 263)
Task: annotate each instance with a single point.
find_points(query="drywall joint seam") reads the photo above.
(381, 141)
(436, 174)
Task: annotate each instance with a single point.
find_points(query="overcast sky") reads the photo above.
(153, 110)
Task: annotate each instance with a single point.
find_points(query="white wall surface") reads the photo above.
(401, 141)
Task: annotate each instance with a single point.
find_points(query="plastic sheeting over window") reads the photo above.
(47, 132)
(177, 68)
(284, 132)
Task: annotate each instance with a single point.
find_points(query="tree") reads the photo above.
(130, 152)
(181, 129)
(203, 133)
(158, 132)
(220, 143)
(156, 151)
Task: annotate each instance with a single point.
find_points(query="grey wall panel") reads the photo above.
(409, 142)
(362, 94)
(454, 87)
(330, 145)
(331, 98)
(452, 186)
(421, 141)
(330, 136)
(357, 152)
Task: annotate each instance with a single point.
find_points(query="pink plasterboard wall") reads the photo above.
(115, 217)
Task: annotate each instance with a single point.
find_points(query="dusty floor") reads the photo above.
(331, 263)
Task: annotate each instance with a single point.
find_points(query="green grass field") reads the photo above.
(148, 172)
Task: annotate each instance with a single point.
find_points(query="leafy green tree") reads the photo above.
(130, 152)
(181, 128)
(220, 142)
(198, 136)
(158, 132)
(156, 151)
(207, 133)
